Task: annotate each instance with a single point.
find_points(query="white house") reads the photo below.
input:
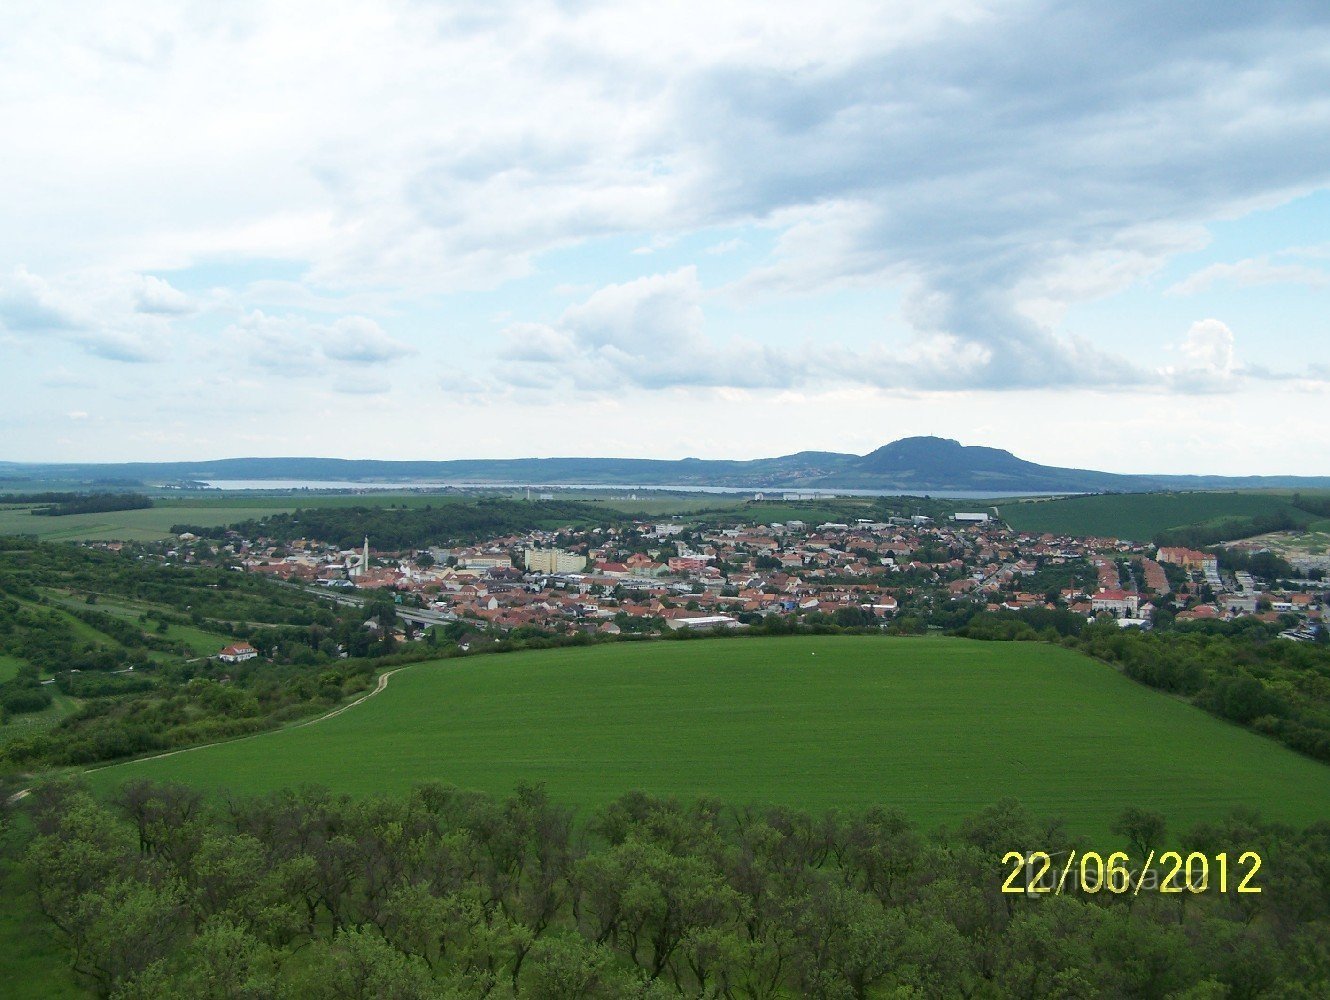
(238, 653)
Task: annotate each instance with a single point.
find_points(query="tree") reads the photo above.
(1143, 829)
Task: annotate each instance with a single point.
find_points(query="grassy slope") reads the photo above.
(62, 706)
(1137, 516)
(9, 667)
(939, 727)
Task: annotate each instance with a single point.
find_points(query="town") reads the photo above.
(897, 574)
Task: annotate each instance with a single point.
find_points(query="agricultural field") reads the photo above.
(936, 727)
(1139, 516)
(146, 525)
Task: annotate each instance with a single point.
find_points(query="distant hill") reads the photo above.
(910, 465)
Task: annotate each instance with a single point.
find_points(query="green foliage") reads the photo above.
(440, 894)
(94, 503)
(1239, 672)
(1142, 516)
(149, 618)
(418, 527)
(1265, 565)
(1229, 529)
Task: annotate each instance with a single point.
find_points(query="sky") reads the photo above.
(1097, 235)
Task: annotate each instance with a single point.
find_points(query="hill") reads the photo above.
(1142, 516)
(937, 727)
(910, 465)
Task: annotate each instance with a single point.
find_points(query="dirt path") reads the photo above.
(382, 685)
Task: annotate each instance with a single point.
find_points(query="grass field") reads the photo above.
(9, 667)
(1137, 516)
(938, 727)
(145, 525)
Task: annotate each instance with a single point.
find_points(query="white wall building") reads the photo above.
(554, 561)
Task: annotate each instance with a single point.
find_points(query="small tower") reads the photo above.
(357, 565)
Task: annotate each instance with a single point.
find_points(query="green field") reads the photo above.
(1138, 516)
(938, 727)
(145, 525)
(9, 667)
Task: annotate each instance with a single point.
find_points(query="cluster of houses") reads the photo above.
(680, 576)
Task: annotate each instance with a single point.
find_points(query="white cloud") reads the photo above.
(292, 345)
(1249, 272)
(1210, 363)
(650, 333)
(359, 340)
(116, 315)
(1209, 346)
(157, 296)
(992, 167)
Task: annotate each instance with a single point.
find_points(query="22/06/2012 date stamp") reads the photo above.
(1037, 872)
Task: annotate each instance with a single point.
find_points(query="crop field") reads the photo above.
(145, 525)
(1138, 516)
(937, 727)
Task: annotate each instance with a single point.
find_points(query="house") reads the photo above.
(1119, 602)
(238, 653)
(702, 622)
(1187, 558)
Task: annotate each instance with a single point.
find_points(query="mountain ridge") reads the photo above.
(911, 464)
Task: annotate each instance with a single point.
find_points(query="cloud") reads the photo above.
(294, 346)
(645, 333)
(116, 315)
(981, 168)
(649, 333)
(28, 305)
(160, 298)
(1209, 346)
(1210, 362)
(359, 340)
(726, 246)
(991, 163)
(362, 385)
(1249, 272)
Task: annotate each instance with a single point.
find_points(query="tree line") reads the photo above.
(1227, 529)
(93, 503)
(442, 893)
(398, 528)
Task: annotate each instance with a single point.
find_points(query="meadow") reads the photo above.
(1139, 516)
(937, 727)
